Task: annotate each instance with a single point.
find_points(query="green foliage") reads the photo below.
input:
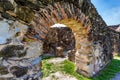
(48, 68)
(110, 71)
(69, 68)
(65, 67)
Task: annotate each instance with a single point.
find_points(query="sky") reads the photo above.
(109, 10)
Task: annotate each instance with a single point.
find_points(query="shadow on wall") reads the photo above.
(60, 41)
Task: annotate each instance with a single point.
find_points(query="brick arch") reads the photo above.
(92, 37)
(73, 18)
(53, 14)
(89, 46)
(61, 13)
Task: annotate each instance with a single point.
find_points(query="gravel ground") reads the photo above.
(57, 60)
(59, 76)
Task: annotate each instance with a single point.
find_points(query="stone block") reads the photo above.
(59, 39)
(19, 60)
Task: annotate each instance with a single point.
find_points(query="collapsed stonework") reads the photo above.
(60, 41)
(116, 38)
(90, 40)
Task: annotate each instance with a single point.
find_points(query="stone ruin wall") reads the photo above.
(116, 46)
(93, 40)
(116, 39)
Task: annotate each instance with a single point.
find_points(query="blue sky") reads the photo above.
(109, 10)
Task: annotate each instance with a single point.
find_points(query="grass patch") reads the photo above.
(110, 71)
(69, 68)
(48, 68)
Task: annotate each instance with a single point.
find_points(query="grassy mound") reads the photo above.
(68, 67)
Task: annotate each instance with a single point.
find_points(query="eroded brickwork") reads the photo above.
(93, 40)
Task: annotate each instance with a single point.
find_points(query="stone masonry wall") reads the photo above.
(19, 60)
(116, 38)
(93, 40)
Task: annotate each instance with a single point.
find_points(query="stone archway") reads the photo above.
(80, 26)
(86, 31)
(92, 37)
(60, 41)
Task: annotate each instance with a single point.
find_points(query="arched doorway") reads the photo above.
(87, 34)
(60, 41)
(78, 23)
(92, 40)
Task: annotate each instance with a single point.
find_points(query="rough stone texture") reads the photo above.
(19, 59)
(116, 38)
(59, 40)
(8, 51)
(18, 62)
(94, 41)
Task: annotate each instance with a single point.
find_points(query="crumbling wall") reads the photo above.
(115, 32)
(19, 59)
(93, 40)
(60, 41)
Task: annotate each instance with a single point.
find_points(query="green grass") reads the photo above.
(69, 68)
(48, 68)
(110, 71)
